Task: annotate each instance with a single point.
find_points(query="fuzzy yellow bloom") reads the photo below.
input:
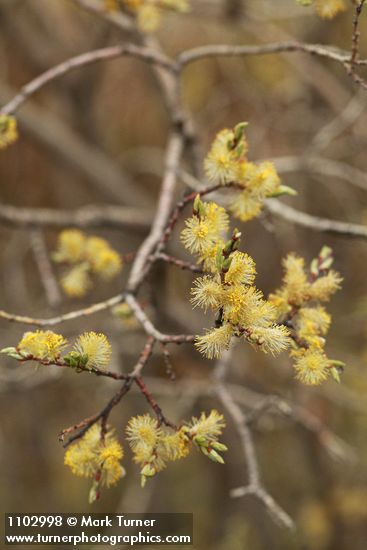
(259, 182)
(324, 287)
(110, 456)
(207, 293)
(295, 280)
(153, 447)
(312, 367)
(273, 339)
(175, 446)
(312, 322)
(92, 455)
(246, 206)
(327, 9)
(126, 314)
(215, 341)
(107, 263)
(264, 181)
(197, 235)
(221, 164)
(143, 433)
(96, 347)
(216, 217)
(70, 246)
(148, 17)
(45, 345)
(245, 306)
(208, 254)
(8, 131)
(242, 269)
(210, 426)
(76, 282)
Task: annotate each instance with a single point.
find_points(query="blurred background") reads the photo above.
(97, 137)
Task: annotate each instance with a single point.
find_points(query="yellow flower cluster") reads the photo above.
(154, 447)
(148, 12)
(45, 345)
(229, 290)
(126, 315)
(97, 458)
(298, 303)
(227, 163)
(95, 347)
(327, 9)
(86, 255)
(8, 131)
(90, 351)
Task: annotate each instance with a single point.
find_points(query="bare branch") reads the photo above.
(87, 216)
(322, 225)
(82, 60)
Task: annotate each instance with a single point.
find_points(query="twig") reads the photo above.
(87, 216)
(322, 225)
(45, 268)
(80, 61)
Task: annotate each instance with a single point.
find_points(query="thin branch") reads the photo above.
(87, 216)
(45, 268)
(226, 50)
(82, 60)
(52, 321)
(139, 268)
(179, 263)
(316, 223)
(150, 328)
(254, 486)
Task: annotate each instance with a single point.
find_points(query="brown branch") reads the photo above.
(316, 223)
(45, 269)
(103, 415)
(52, 321)
(80, 61)
(178, 263)
(226, 50)
(87, 216)
(254, 486)
(150, 328)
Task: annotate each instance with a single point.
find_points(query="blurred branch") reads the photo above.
(322, 225)
(87, 216)
(82, 60)
(45, 269)
(254, 486)
(323, 166)
(105, 174)
(226, 50)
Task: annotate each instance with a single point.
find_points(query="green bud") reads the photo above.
(148, 471)
(197, 204)
(8, 350)
(325, 252)
(335, 374)
(215, 457)
(226, 264)
(201, 440)
(94, 492)
(314, 268)
(219, 446)
(284, 190)
(219, 259)
(239, 130)
(326, 264)
(84, 359)
(340, 365)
